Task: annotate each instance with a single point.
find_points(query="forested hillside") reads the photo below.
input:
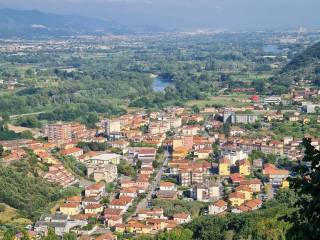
(304, 65)
(22, 188)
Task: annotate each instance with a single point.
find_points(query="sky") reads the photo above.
(188, 14)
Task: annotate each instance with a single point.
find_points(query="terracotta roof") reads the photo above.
(220, 203)
(93, 206)
(69, 205)
(243, 208)
(244, 162)
(71, 150)
(243, 188)
(106, 236)
(236, 195)
(181, 215)
(224, 160)
(167, 184)
(74, 199)
(95, 186)
(253, 203)
(112, 212)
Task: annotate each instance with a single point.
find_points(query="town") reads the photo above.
(147, 172)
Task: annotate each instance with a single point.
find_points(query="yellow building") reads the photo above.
(138, 228)
(224, 167)
(246, 191)
(236, 198)
(176, 143)
(245, 167)
(180, 152)
(285, 184)
(70, 209)
(93, 209)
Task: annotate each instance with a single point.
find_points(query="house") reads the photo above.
(93, 209)
(156, 213)
(275, 176)
(130, 192)
(244, 167)
(74, 199)
(122, 203)
(95, 190)
(180, 153)
(74, 152)
(146, 170)
(254, 204)
(168, 186)
(112, 216)
(70, 208)
(181, 218)
(138, 228)
(203, 154)
(224, 167)
(237, 198)
(218, 207)
(246, 191)
(59, 175)
(236, 178)
(104, 172)
(60, 223)
(157, 224)
(254, 184)
(167, 195)
(143, 153)
(240, 209)
(90, 200)
(114, 220)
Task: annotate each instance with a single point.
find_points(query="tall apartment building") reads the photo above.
(58, 133)
(112, 126)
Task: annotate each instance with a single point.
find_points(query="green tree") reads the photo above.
(51, 235)
(70, 236)
(9, 235)
(176, 234)
(306, 220)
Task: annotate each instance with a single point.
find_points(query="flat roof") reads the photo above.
(106, 156)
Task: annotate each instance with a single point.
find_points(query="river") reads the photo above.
(159, 84)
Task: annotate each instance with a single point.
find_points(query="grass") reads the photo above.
(10, 216)
(232, 100)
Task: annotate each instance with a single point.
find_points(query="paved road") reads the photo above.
(154, 185)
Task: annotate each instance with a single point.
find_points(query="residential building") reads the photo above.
(245, 167)
(224, 167)
(218, 207)
(104, 172)
(182, 218)
(58, 133)
(237, 198)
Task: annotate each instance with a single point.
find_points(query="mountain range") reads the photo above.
(34, 23)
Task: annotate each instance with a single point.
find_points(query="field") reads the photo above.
(234, 100)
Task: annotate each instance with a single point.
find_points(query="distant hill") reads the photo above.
(34, 23)
(308, 58)
(305, 65)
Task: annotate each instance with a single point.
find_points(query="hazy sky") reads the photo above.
(219, 14)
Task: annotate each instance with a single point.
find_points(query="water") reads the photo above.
(271, 49)
(159, 84)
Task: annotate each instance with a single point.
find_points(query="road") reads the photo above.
(25, 114)
(153, 186)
